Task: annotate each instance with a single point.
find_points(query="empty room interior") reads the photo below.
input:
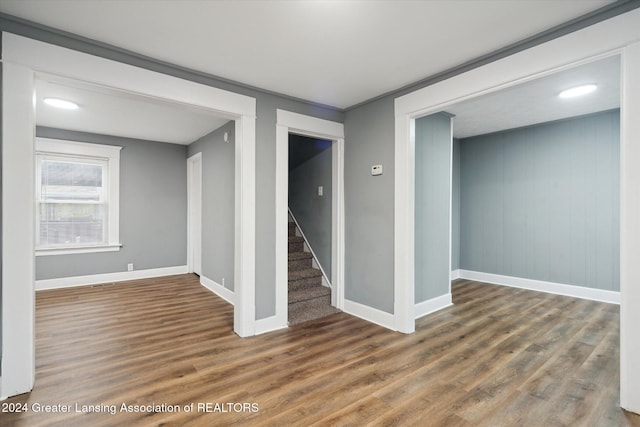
(212, 215)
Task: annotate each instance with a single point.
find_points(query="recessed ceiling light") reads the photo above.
(577, 91)
(61, 103)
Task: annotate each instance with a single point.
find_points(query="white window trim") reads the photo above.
(85, 149)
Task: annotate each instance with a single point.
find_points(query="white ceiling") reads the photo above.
(111, 112)
(538, 102)
(338, 53)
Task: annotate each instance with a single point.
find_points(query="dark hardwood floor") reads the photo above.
(498, 357)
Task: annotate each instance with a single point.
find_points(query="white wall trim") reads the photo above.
(432, 305)
(455, 274)
(369, 314)
(33, 58)
(269, 324)
(601, 295)
(218, 289)
(97, 279)
(310, 126)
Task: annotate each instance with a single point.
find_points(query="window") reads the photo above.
(77, 190)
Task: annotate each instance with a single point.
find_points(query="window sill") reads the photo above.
(77, 250)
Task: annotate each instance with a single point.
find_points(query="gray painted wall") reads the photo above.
(218, 203)
(313, 212)
(153, 209)
(455, 206)
(432, 206)
(542, 202)
(369, 205)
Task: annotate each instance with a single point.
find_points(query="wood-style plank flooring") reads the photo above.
(498, 357)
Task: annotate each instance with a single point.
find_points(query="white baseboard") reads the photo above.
(611, 297)
(96, 279)
(434, 304)
(218, 289)
(370, 314)
(455, 274)
(270, 324)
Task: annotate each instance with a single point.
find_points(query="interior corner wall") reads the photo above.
(312, 211)
(543, 202)
(432, 206)
(369, 205)
(218, 203)
(153, 210)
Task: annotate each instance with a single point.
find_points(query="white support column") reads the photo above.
(282, 194)
(337, 223)
(630, 231)
(18, 275)
(404, 292)
(244, 313)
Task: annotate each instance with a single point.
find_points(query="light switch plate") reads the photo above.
(376, 170)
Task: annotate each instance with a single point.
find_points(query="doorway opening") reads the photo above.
(314, 128)
(18, 361)
(309, 288)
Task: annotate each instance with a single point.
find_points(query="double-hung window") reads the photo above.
(77, 190)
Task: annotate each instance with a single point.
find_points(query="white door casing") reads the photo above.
(23, 59)
(314, 127)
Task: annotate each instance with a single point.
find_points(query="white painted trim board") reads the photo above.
(369, 314)
(582, 292)
(432, 305)
(98, 279)
(215, 287)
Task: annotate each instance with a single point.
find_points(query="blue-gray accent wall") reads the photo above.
(312, 211)
(153, 209)
(218, 203)
(433, 141)
(542, 202)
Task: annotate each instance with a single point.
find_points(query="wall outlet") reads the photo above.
(320, 190)
(223, 282)
(129, 267)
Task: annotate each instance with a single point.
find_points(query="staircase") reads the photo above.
(308, 299)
